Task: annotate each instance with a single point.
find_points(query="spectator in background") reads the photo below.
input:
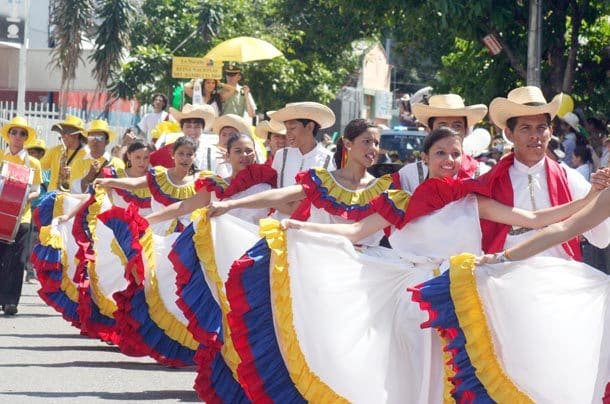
(554, 150)
(150, 120)
(327, 141)
(605, 152)
(569, 127)
(236, 99)
(583, 162)
(405, 116)
(274, 134)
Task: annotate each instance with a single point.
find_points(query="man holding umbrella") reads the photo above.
(236, 99)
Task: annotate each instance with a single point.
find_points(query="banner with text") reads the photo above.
(200, 68)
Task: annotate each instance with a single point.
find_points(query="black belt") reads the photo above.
(515, 231)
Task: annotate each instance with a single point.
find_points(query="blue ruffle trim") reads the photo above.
(435, 295)
(261, 339)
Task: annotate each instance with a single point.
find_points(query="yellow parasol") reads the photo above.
(243, 49)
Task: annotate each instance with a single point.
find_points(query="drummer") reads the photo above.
(84, 171)
(18, 135)
(72, 135)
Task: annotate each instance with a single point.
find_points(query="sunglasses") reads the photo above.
(20, 133)
(98, 138)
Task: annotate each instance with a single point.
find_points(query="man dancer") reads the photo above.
(527, 178)
(443, 110)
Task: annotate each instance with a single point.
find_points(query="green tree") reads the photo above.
(575, 56)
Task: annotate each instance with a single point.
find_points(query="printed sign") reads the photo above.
(190, 68)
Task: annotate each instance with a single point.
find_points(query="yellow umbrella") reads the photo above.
(243, 49)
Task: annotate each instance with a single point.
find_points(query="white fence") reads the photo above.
(42, 116)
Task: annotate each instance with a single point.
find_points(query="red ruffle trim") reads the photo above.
(246, 370)
(253, 174)
(317, 196)
(204, 358)
(435, 193)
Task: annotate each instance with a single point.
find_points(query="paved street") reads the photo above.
(44, 359)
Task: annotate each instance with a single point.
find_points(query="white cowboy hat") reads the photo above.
(234, 121)
(265, 127)
(448, 105)
(522, 101)
(203, 111)
(572, 119)
(313, 111)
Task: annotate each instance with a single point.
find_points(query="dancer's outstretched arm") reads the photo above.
(353, 231)
(181, 208)
(122, 183)
(593, 214)
(273, 198)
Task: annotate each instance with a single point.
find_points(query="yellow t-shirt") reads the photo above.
(34, 164)
(51, 160)
(80, 168)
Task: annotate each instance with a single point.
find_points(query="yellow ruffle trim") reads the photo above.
(50, 238)
(311, 387)
(162, 180)
(139, 192)
(359, 198)
(157, 311)
(204, 245)
(399, 198)
(106, 305)
(480, 347)
(58, 206)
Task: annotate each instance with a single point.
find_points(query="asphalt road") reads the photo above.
(44, 359)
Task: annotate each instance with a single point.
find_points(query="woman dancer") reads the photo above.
(165, 185)
(137, 164)
(550, 316)
(319, 282)
(327, 195)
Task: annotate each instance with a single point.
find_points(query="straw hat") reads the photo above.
(71, 125)
(233, 121)
(204, 111)
(19, 122)
(99, 125)
(318, 113)
(37, 144)
(265, 127)
(572, 119)
(522, 101)
(448, 105)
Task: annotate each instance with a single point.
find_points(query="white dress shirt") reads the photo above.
(410, 174)
(525, 196)
(296, 162)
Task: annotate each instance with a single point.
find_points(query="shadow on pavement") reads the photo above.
(46, 336)
(58, 348)
(108, 364)
(182, 395)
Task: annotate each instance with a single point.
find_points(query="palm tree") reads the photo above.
(71, 20)
(112, 38)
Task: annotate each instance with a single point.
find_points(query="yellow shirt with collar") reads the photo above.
(51, 160)
(34, 164)
(80, 168)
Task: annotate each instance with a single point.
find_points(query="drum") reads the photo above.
(15, 183)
